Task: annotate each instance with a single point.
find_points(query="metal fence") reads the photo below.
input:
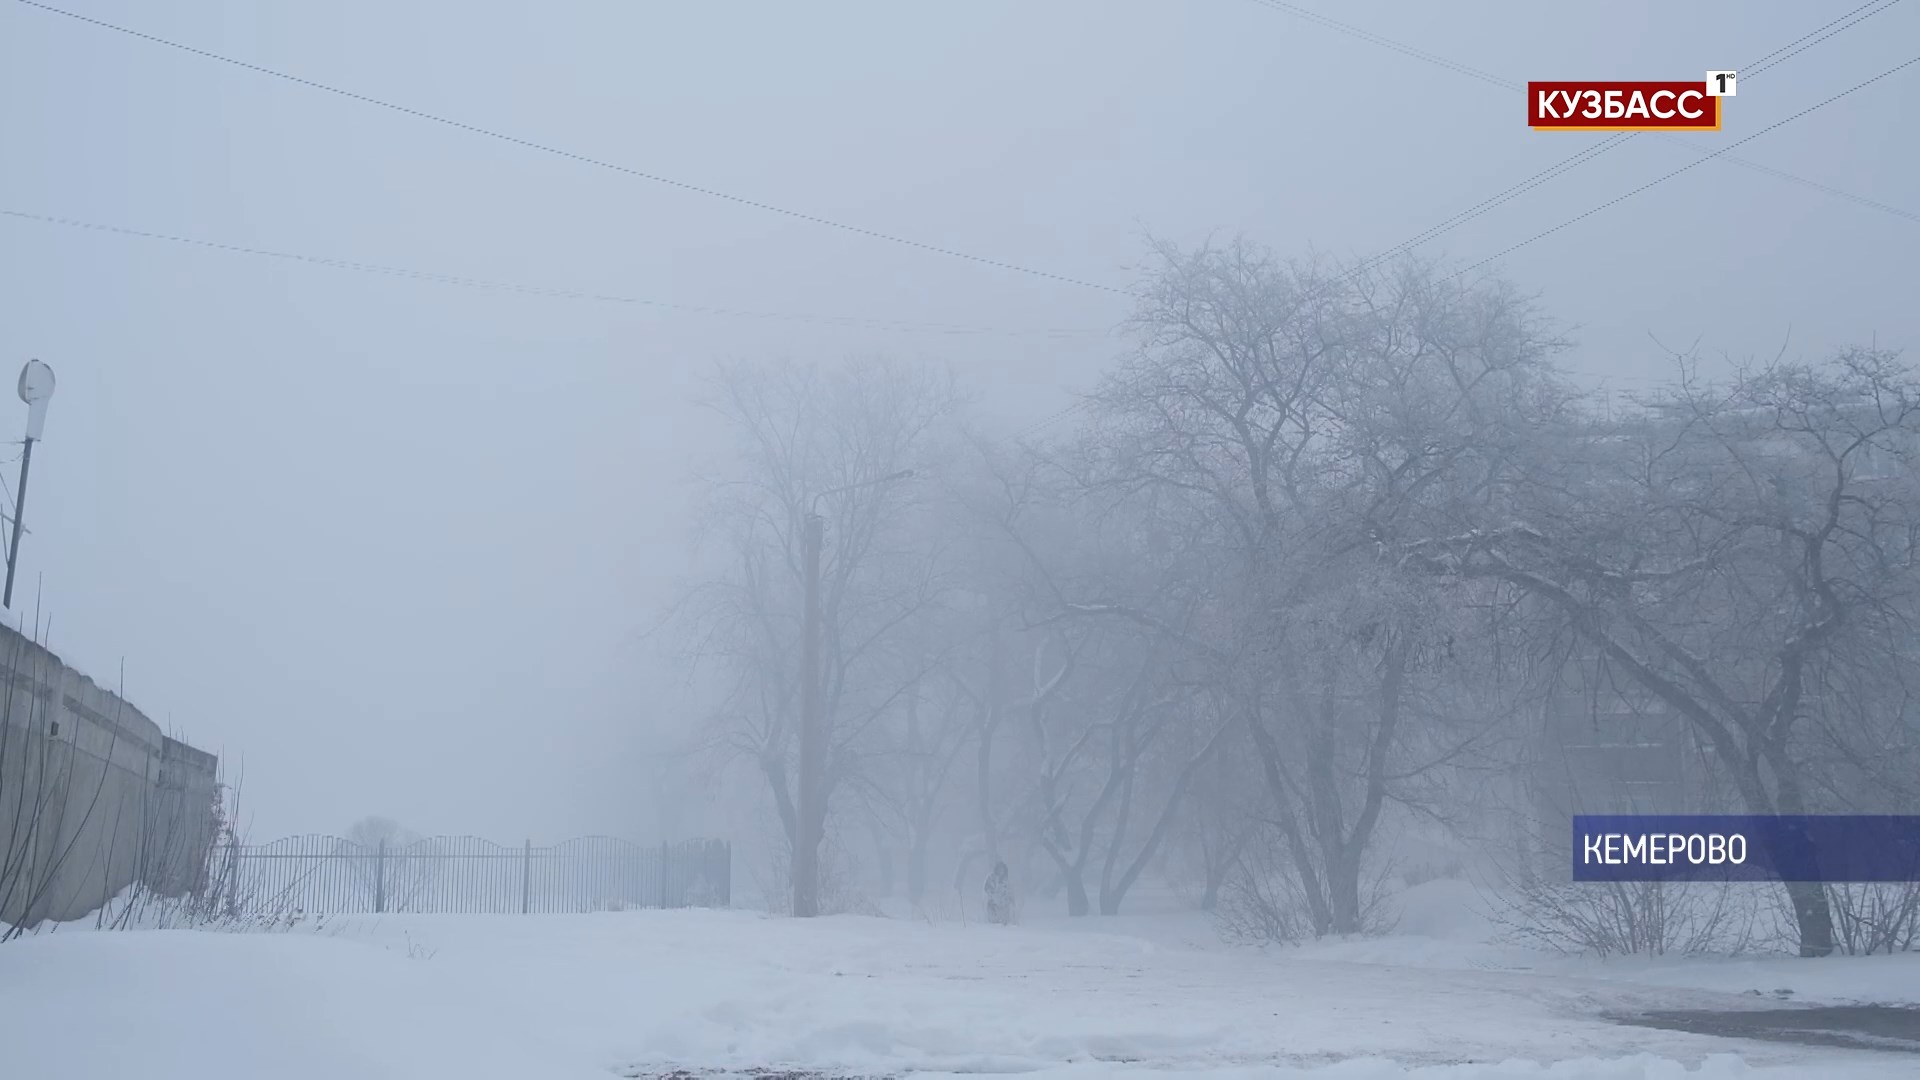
(468, 875)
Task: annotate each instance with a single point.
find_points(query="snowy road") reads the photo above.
(565, 997)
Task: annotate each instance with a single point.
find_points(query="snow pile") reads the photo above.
(180, 1005)
(645, 993)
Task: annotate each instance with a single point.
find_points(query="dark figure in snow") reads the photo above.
(999, 896)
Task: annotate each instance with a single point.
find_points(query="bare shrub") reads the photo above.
(418, 951)
(1262, 901)
(218, 898)
(839, 881)
(1875, 918)
(1635, 918)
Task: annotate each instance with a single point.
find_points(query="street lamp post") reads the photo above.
(36, 388)
(812, 810)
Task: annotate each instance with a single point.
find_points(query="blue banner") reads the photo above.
(1702, 847)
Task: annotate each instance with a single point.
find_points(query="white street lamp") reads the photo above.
(36, 389)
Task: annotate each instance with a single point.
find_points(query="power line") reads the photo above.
(533, 290)
(1792, 48)
(1053, 418)
(1862, 200)
(1386, 43)
(1779, 55)
(1772, 59)
(586, 159)
(1486, 206)
(1367, 264)
(1816, 36)
(1663, 179)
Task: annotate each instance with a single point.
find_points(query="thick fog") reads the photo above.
(395, 546)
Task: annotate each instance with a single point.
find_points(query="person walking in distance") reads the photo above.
(999, 896)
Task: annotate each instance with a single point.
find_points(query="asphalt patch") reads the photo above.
(1893, 1028)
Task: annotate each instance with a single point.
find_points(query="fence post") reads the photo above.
(380, 876)
(526, 877)
(663, 874)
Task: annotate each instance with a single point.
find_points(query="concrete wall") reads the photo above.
(93, 797)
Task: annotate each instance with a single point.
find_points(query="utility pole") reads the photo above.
(806, 852)
(36, 387)
(811, 810)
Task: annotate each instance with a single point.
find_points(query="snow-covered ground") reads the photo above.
(595, 996)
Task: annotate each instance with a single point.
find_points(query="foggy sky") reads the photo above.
(390, 544)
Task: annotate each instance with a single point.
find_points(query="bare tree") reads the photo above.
(1315, 551)
(913, 756)
(804, 431)
(1745, 555)
(1120, 724)
(1302, 416)
(1221, 815)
